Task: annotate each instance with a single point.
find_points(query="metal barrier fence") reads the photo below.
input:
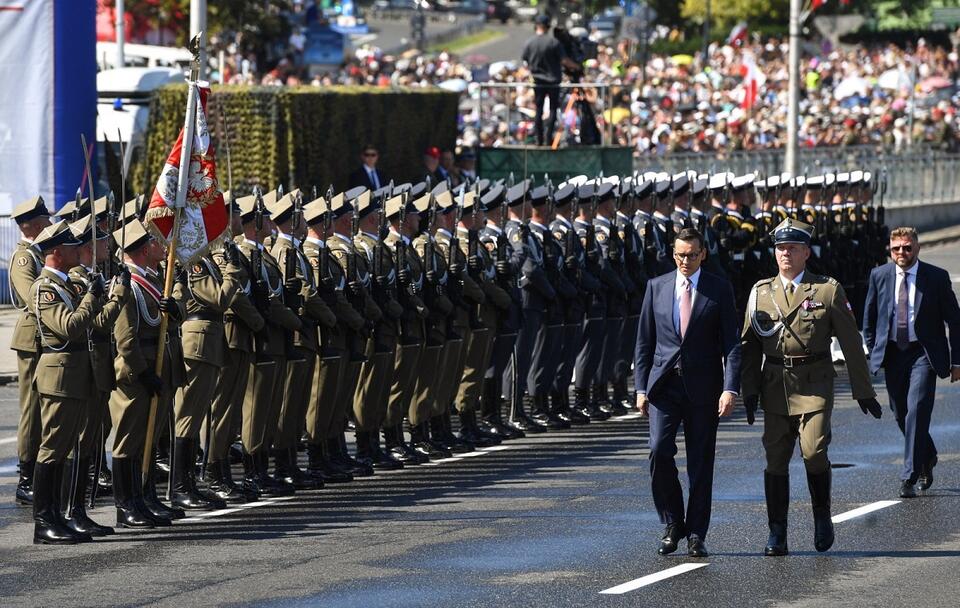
(917, 176)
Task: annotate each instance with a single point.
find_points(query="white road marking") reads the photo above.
(870, 508)
(650, 579)
(220, 512)
(8, 440)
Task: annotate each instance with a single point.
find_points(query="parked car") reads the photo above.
(499, 11)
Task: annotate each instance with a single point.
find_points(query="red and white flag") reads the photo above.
(738, 35)
(753, 79)
(203, 220)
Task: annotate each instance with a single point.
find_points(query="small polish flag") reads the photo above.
(738, 35)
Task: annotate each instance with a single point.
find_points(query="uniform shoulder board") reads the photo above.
(832, 281)
(766, 281)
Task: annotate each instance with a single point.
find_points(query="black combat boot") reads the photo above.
(471, 433)
(420, 441)
(291, 472)
(269, 486)
(490, 412)
(320, 466)
(104, 477)
(130, 513)
(61, 492)
(145, 496)
(777, 489)
(819, 485)
(185, 494)
(355, 467)
(48, 529)
(395, 445)
(219, 479)
(77, 519)
(251, 476)
(25, 483)
(519, 419)
(382, 460)
(442, 436)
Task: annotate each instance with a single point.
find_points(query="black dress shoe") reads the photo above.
(925, 479)
(671, 537)
(907, 490)
(777, 541)
(696, 546)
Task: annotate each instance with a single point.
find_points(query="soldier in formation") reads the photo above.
(421, 319)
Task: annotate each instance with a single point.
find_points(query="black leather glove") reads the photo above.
(383, 282)
(293, 286)
(871, 406)
(150, 381)
(232, 253)
(751, 403)
(503, 268)
(169, 306)
(571, 262)
(95, 287)
(123, 274)
(403, 276)
(475, 264)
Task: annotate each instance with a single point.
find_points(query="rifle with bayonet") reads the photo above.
(258, 285)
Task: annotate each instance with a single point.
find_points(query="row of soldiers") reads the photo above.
(361, 310)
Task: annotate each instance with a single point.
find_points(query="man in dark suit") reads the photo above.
(687, 372)
(909, 306)
(367, 174)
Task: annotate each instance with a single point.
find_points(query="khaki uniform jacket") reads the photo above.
(340, 249)
(414, 308)
(314, 308)
(281, 319)
(387, 327)
(497, 300)
(64, 316)
(472, 294)
(101, 328)
(210, 292)
(331, 276)
(778, 327)
(25, 266)
(241, 320)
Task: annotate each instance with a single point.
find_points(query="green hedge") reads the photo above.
(306, 136)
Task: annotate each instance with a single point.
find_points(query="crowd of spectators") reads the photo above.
(677, 104)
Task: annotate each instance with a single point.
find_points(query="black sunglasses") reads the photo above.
(903, 248)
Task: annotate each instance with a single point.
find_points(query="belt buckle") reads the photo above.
(788, 362)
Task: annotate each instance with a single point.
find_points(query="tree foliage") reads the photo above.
(727, 13)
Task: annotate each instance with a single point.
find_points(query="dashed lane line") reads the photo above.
(859, 511)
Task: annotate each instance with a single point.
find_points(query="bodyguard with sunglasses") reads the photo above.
(367, 175)
(910, 305)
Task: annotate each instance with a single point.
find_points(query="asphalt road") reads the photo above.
(553, 520)
(391, 33)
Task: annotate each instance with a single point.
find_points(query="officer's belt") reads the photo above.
(69, 347)
(797, 361)
(205, 316)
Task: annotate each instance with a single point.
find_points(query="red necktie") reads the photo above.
(685, 298)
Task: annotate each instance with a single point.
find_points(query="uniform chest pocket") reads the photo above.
(61, 375)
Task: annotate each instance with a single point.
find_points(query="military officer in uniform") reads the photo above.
(92, 433)
(787, 370)
(26, 263)
(64, 377)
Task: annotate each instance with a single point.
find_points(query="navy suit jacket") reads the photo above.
(934, 310)
(708, 354)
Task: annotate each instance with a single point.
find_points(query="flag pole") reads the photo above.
(189, 123)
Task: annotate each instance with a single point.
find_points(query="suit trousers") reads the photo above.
(590, 353)
(323, 395)
(780, 434)
(911, 384)
(28, 429)
(228, 403)
(424, 393)
(296, 400)
(405, 365)
(257, 405)
(670, 408)
(193, 401)
(569, 348)
(521, 363)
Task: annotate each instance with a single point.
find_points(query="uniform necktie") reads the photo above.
(685, 297)
(903, 301)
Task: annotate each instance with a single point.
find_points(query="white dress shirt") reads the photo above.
(911, 277)
(678, 293)
(796, 281)
(372, 174)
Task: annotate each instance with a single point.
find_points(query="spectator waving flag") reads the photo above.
(204, 218)
(753, 79)
(738, 35)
